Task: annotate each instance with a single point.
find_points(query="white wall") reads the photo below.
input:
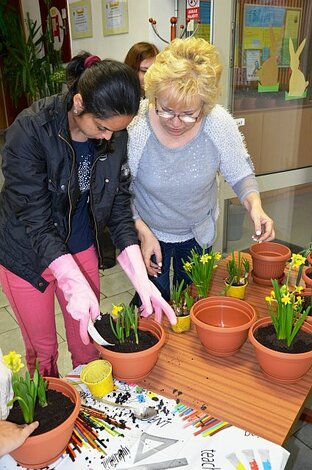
(117, 46)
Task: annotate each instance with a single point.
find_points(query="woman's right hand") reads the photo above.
(150, 248)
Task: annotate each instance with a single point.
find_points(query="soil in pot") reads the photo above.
(267, 337)
(59, 408)
(146, 338)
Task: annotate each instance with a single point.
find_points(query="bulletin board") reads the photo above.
(260, 23)
(81, 19)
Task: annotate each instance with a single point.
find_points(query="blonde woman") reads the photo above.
(178, 144)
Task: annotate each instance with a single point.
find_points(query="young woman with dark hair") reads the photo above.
(66, 179)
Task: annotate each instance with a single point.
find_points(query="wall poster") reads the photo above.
(81, 19)
(115, 17)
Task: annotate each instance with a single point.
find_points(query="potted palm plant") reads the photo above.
(181, 303)
(200, 267)
(31, 65)
(238, 268)
(51, 401)
(283, 340)
(136, 342)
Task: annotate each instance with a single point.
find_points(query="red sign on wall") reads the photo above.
(192, 10)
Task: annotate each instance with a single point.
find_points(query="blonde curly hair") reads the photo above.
(187, 68)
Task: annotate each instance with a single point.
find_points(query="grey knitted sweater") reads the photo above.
(175, 190)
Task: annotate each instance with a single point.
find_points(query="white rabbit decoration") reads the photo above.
(297, 81)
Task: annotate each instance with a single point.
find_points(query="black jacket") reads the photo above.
(41, 191)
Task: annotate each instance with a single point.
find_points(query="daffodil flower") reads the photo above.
(14, 361)
(116, 310)
(297, 260)
(199, 268)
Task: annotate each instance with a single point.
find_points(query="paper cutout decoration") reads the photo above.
(297, 81)
(268, 73)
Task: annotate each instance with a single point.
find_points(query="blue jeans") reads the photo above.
(177, 252)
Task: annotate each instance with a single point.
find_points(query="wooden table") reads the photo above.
(232, 388)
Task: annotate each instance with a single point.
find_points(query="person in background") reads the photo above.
(66, 178)
(140, 57)
(179, 142)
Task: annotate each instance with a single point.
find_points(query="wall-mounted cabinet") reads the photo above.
(278, 139)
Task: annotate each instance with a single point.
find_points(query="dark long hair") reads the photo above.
(108, 87)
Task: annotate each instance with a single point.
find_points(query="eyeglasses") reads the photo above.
(186, 118)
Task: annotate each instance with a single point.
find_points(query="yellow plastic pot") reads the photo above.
(183, 324)
(238, 292)
(98, 377)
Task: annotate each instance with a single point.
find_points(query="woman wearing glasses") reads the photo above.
(178, 143)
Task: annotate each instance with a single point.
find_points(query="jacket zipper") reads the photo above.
(68, 188)
(92, 212)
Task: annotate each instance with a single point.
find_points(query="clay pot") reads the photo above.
(309, 258)
(280, 367)
(307, 293)
(222, 323)
(268, 261)
(307, 279)
(132, 367)
(41, 450)
(238, 292)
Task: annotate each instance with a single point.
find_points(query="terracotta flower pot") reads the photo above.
(268, 261)
(306, 294)
(43, 449)
(280, 367)
(238, 292)
(222, 323)
(132, 367)
(306, 276)
(309, 258)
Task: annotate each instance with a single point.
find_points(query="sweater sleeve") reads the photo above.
(246, 186)
(234, 160)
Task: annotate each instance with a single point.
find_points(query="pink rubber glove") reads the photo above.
(131, 261)
(81, 300)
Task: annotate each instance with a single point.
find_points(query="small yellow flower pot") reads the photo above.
(183, 324)
(238, 292)
(97, 375)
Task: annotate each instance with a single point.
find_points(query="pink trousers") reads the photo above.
(35, 315)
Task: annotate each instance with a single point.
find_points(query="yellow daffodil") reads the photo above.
(14, 361)
(116, 310)
(199, 268)
(286, 299)
(287, 311)
(187, 266)
(297, 260)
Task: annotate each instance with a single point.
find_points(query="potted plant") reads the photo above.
(31, 65)
(283, 341)
(238, 269)
(181, 303)
(268, 262)
(222, 323)
(137, 342)
(51, 401)
(200, 268)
